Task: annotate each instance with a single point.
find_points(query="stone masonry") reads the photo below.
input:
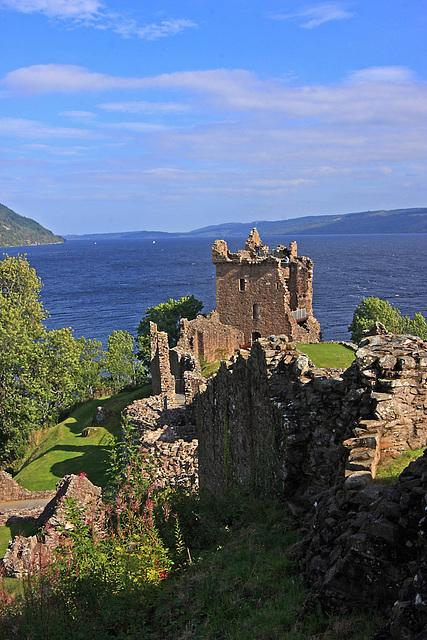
(208, 338)
(273, 415)
(11, 491)
(262, 292)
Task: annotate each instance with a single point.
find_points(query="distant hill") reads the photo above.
(17, 231)
(394, 221)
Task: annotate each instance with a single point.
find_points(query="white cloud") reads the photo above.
(379, 95)
(79, 115)
(24, 128)
(143, 106)
(137, 127)
(383, 74)
(48, 78)
(316, 15)
(128, 28)
(92, 13)
(80, 9)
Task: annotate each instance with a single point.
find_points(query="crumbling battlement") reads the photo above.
(262, 292)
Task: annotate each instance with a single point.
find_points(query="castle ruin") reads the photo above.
(258, 293)
(262, 292)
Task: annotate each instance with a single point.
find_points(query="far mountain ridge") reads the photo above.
(365, 222)
(18, 231)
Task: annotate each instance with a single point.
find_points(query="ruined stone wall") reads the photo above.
(162, 380)
(11, 491)
(257, 290)
(208, 338)
(167, 435)
(368, 548)
(237, 428)
(318, 425)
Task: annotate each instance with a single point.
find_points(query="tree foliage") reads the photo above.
(167, 316)
(121, 363)
(371, 310)
(43, 373)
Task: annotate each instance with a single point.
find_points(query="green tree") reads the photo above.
(121, 362)
(21, 333)
(418, 326)
(41, 373)
(371, 310)
(167, 316)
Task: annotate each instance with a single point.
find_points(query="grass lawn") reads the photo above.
(64, 450)
(389, 471)
(326, 354)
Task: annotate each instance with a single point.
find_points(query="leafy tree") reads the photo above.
(121, 362)
(418, 326)
(167, 316)
(92, 359)
(371, 310)
(41, 373)
(21, 330)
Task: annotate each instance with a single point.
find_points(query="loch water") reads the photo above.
(97, 287)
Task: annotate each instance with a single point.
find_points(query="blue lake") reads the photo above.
(98, 287)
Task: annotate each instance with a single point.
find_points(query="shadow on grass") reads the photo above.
(93, 461)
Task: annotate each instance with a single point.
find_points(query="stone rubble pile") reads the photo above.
(166, 435)
(25, 554)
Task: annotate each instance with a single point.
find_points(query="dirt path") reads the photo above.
(18, 505)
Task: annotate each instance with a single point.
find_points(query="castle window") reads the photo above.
(256, 311)
(242, 284)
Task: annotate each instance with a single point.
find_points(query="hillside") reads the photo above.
(365, 222)
(17, 231)
(394, 221)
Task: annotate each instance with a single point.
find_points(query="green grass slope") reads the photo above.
(64, 450)
(17, 231)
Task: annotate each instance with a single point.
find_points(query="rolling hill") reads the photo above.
(17, 231)
(365, 222)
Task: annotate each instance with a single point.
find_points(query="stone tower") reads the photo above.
(262, 292)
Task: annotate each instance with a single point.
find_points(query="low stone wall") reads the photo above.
(11, 491)
(24, 555)
(169, 436)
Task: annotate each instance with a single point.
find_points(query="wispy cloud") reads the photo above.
(143, 106)
(92, 13)
(316, 15)
(378, 95)
(383, 74)
(77, 9)
(33, 129)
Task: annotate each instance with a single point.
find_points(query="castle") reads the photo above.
(258, 293)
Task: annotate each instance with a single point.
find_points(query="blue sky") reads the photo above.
(126, 115)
